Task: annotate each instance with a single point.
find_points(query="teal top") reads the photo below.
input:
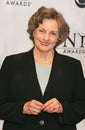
(43, 74)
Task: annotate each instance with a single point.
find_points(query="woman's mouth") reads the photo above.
(44, 43)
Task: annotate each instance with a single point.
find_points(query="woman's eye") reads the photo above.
(54, 34)
(41, 30)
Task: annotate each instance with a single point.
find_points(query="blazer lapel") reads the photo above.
(33, 75)
(51, 83)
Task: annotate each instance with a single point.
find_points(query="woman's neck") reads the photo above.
(43, 58)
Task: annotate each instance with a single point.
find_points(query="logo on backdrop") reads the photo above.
(75, 44)
(23, 3)
(80, 3)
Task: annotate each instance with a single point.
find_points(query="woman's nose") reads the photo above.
(46, 36)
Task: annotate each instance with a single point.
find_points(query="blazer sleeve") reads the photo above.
(9, 110)
(74, 111)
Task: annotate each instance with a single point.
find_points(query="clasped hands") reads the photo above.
(34, 107)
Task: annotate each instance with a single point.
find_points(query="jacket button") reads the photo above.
(42, 122)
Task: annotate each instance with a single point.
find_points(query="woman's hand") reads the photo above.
(32, 107)
(53, 106)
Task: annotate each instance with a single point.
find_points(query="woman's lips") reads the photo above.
(44, 43)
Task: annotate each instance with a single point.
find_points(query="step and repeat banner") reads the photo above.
(14, 16)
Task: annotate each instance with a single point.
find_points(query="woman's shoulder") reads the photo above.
(20, 54)
(19, 57)
(66, 58)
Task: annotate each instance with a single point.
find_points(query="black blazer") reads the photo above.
(19, 83)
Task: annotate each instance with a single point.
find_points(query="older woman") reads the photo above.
(42, 89)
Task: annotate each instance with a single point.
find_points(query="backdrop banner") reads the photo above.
(14, 16)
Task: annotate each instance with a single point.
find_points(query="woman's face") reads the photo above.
(46, 35)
